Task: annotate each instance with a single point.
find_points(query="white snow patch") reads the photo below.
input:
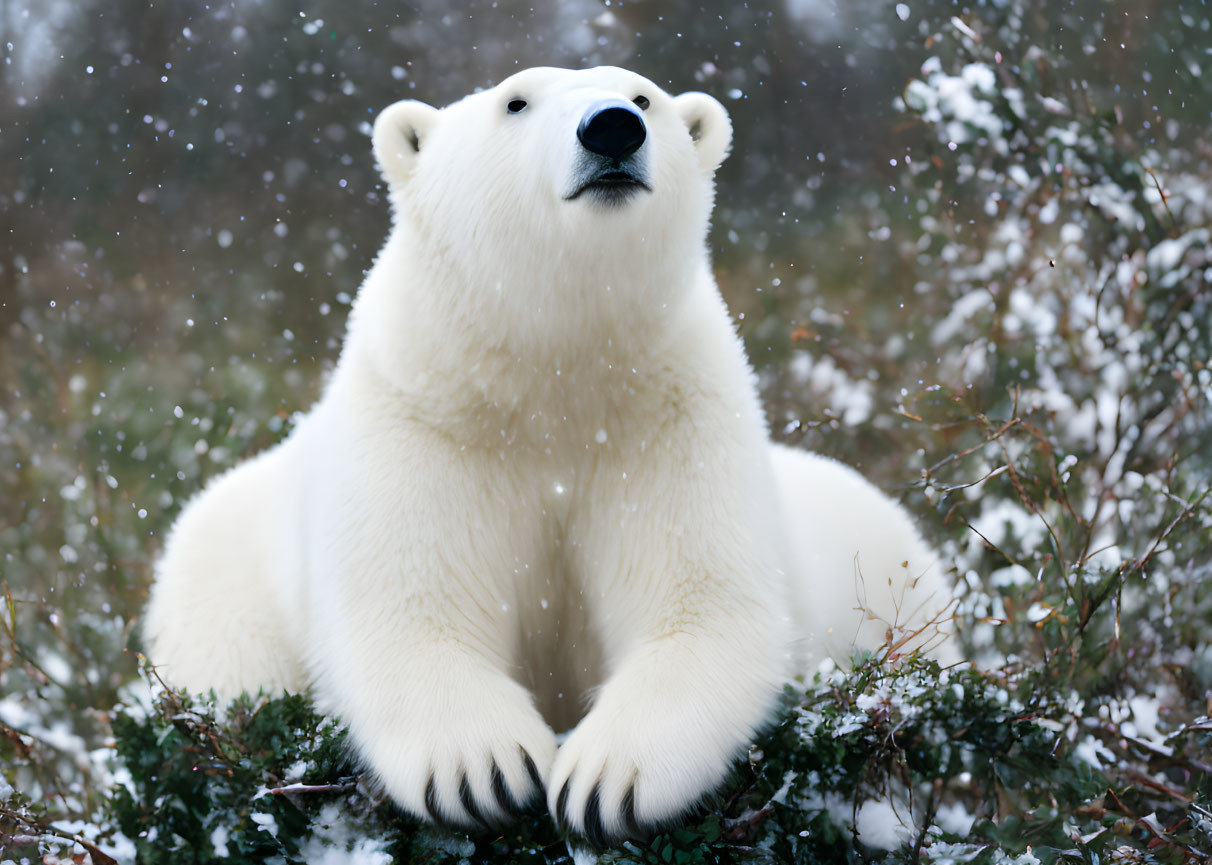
(266, 823)
(218, 840)
(955, 819)
(367, 851)
(849, 398)
(1000, 857)
(839, 808)
(1143, 726)
(956, 104)
(582, 855)
(1008, 519)
(1092, 752)
(337, 841)
(781, 796)
(881, 825)
(59, 735)
(1012, 575)
(1071, 233)
(1116, 204)
(1049, 212)
(943, 853)
(962, 312)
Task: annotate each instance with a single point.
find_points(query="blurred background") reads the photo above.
(188, 205)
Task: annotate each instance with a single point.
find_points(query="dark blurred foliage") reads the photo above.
(137, 134)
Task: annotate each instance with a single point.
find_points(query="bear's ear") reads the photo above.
(709, 127)
(399, 134)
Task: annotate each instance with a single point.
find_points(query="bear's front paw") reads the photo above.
(626, 771)
(485, 798)
(473, 762)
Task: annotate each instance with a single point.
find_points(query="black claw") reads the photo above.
(469, 802)
(533, 772)
(561, 815)
(629, 821)
(431, 801)
(504, 798)
(595, 834)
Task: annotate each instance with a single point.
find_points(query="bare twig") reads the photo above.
(290, 789)
(35, 829)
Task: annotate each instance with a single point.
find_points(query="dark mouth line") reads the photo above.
(609, 180)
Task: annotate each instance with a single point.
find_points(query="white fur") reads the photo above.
(539, 481)
(863, 576)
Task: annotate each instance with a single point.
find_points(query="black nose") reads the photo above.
(612, 129)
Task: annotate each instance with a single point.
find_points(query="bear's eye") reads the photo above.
(641, 101)
(515, 105)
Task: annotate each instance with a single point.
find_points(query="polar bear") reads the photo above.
(537, 494)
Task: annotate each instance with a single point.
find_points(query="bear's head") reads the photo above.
(567, 182)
